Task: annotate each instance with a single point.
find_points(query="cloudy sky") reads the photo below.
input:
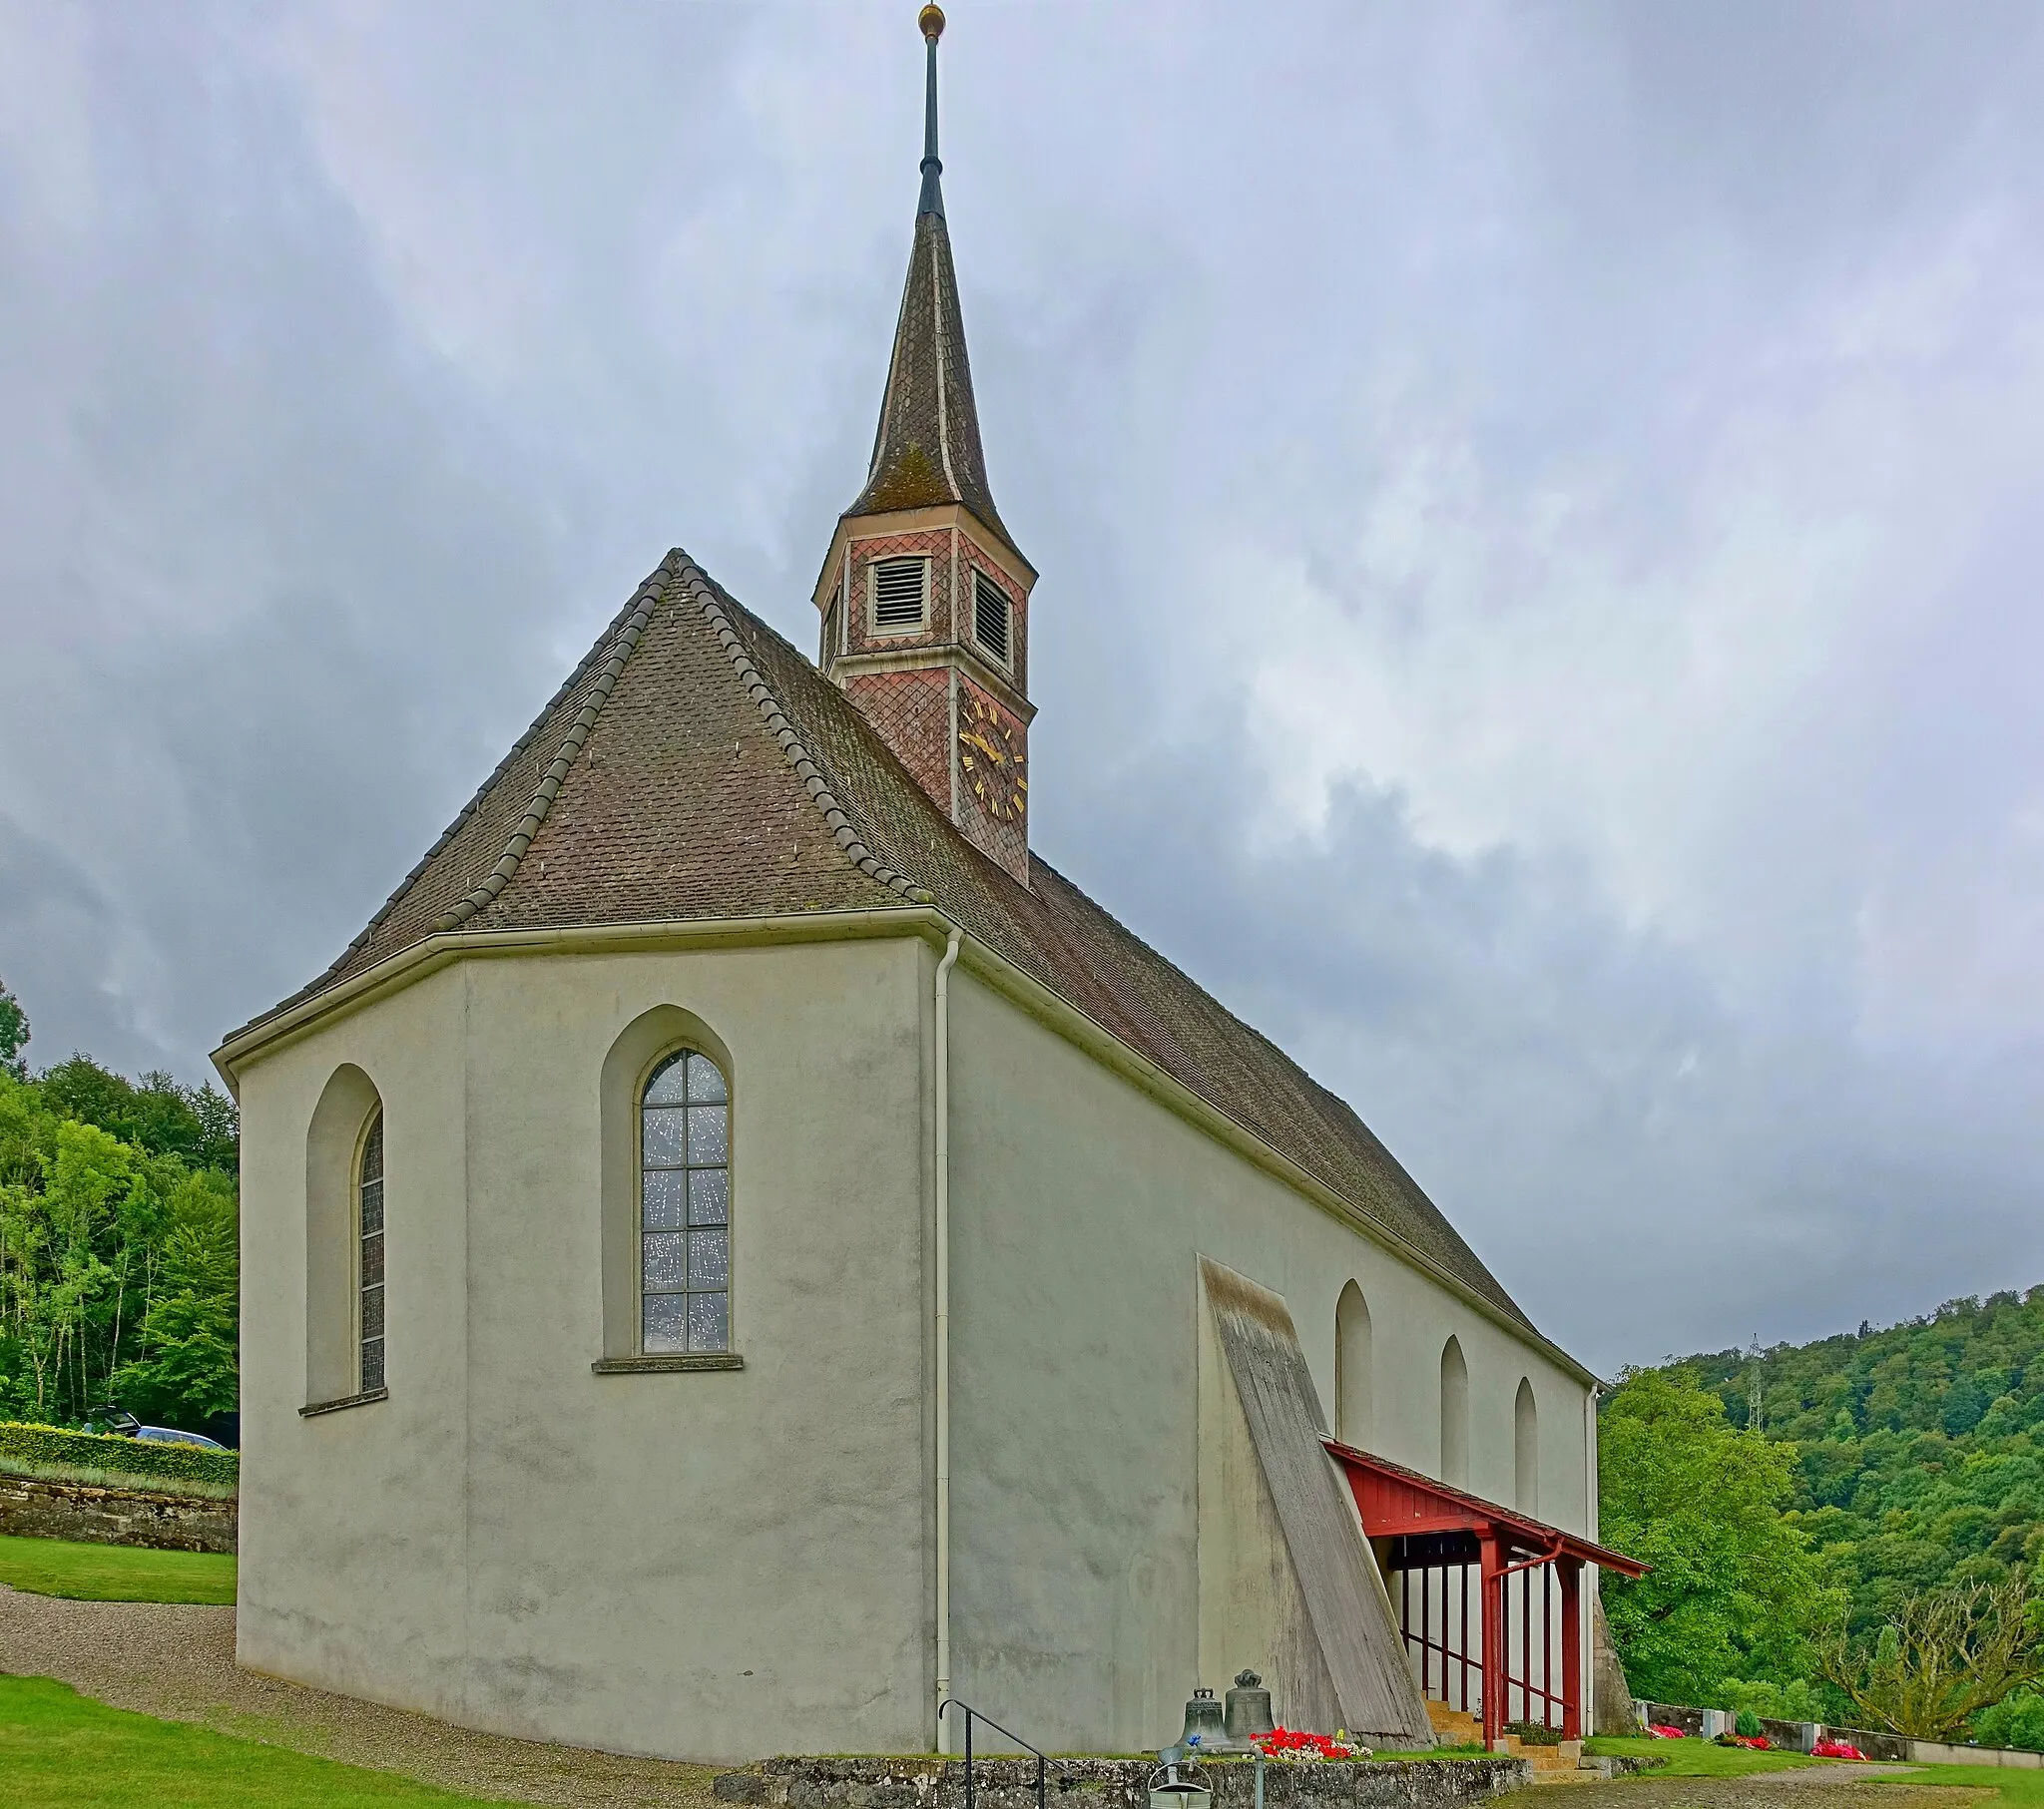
(1540, 509)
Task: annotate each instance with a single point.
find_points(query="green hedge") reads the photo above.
(131, 1457)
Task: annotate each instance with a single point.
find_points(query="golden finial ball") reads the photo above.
(931, 19)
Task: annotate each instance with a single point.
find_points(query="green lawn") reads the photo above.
(61, 1566)
(2020, 1788)
(1702, 1758)
(57, 1746)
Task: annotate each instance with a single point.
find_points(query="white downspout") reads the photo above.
(944, 1329)
(1585, 1634)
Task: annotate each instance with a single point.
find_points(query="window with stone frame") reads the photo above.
(685, 1207)
(369, 1327)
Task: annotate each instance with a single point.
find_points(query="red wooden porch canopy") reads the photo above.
(1397, 1502)
(1434, 1526)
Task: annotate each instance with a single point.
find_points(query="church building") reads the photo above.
(741, 1252)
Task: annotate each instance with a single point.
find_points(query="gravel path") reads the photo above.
(179, 1662)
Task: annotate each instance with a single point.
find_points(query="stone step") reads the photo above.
(1453, 1726)
(1551, 1764)
(1568, 1756)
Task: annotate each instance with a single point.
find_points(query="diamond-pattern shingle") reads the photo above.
(716, 773)
(928, 448)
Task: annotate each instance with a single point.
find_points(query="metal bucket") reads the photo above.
(1170, 1791)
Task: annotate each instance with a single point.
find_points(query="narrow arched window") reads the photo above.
(1526, 1449)
(1352, 1368)
(369, 1256)
(685, 1207)
(1455, 1414)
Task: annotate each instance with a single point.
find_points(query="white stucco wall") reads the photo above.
(723, 1565)
(1079, 1204)
(716, 1564)
(357, 1519)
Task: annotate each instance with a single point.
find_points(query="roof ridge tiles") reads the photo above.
(467, 810)
(623, 642)
(630, 788)
(808, 768)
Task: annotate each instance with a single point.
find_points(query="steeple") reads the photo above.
(924, 595)
(926, 448)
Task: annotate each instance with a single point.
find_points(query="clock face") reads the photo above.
(991, 759)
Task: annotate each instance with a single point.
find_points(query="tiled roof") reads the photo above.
(696, 766)
(926, 449)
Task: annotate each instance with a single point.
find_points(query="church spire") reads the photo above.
(925, 597)
(926, 450)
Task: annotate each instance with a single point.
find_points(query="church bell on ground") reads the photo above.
(1205, 1729)
(1247, 1717)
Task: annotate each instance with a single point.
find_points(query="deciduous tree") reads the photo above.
(1944, 1656)
(13, 1034)
(1735, 1590)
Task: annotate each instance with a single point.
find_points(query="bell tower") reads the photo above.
(925, 597)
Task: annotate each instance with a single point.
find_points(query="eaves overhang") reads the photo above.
(432, 953)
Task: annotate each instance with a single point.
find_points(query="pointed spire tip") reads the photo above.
(932, 20)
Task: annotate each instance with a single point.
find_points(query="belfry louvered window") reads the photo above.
(369, 1259)
(990, 616)
(902, 594)
(685, 1207)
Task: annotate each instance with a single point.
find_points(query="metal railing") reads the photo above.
(971, 1715)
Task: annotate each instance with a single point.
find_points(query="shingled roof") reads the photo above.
(928, 450)
(696, 766)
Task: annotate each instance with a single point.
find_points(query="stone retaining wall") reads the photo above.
(1004, 1783)
(1800, 1736)
(1939, 1752)
(115, 1517)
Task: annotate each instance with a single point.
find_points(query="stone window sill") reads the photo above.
(668, 1363)
(360, 1400)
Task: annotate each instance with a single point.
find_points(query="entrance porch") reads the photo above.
(1489, 1600)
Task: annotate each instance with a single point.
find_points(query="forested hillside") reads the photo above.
(1892, 1468)
(1919, 1448)
(118, 1243)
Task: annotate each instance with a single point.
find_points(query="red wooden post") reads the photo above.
(1494, 1654)
(1571, 1569)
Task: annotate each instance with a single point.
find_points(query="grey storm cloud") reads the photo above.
(1538, 508)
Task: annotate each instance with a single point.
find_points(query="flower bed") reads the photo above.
(1294, 1743)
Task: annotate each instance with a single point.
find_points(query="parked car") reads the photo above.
(122, 1425)
(170, 1435)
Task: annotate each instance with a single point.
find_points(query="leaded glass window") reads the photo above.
(685, 1207)
(369, 1283)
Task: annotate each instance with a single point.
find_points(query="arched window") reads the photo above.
(369, 1256)
(1454, 1415)
(345, 1266)
(685, 1207)
(1526, 1449)
(1351, 1368)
